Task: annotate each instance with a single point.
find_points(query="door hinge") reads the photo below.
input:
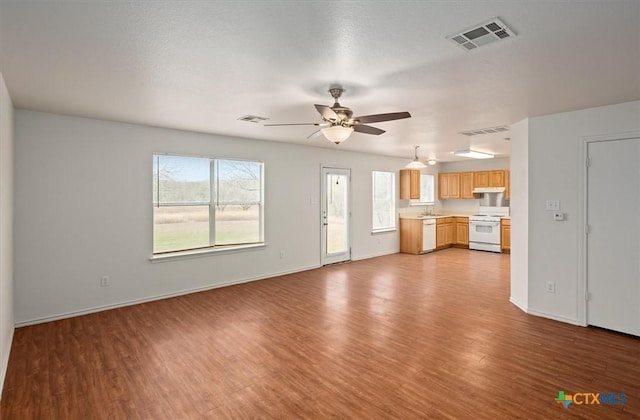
(588, 162)
(587, 229)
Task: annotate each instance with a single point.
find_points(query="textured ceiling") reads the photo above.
(199, 65)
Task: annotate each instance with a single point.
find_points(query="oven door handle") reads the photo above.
(485, 223)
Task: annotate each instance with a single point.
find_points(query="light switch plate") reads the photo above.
(558, 217)
(553, 205)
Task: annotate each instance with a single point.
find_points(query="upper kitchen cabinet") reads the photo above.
(496, 178)
(449, 185)
(466, 185)
(507, 185)
(489, 178)
(481, 179)
(409, 184)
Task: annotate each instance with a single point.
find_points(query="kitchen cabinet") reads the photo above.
(461, 232)
(410, 236)
(505, 235)
(412, 239)
(507, 185)
(481, 179)
(495, 178)
(449, 185)
(409, 184)
(461, 184)
(466, 185)
(444, 232)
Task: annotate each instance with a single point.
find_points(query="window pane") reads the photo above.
(237, 224)
(239, 181)
(180, 179)
(180, 228)
(426, 188)
(384, 205)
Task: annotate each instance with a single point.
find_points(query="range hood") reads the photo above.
(484, 190)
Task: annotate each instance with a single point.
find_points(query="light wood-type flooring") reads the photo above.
(395, 337)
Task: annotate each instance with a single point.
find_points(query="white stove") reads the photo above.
(484, 228)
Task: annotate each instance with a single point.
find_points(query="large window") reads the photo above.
(384, 201)
(204, 203)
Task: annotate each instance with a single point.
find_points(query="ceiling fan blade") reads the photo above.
(314, 134)
(367, 129)
(326, 112)
(366, 119)
(275, 125)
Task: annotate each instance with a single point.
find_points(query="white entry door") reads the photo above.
(335, 215)
(613, 242)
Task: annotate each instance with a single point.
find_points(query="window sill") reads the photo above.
(181, 255)
(376, 231)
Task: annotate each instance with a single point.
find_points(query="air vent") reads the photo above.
(253, 118)
(482, 34)
(490, 130)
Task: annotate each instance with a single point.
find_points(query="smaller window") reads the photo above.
(384, 201)
(427, 188)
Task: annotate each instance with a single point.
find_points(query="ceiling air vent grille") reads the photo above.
(482, 34)
(490, 130)
(253, 118)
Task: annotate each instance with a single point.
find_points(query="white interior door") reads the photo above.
(335, 215)
(613, 242)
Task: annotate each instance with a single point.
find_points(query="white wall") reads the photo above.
(468, 205)
(555, 168)
(83, 210)
(519, 207)
(6, 229)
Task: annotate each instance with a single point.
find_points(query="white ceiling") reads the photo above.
(198, 65)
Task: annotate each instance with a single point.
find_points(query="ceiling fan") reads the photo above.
(338, 121)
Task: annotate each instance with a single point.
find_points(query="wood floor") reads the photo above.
(401, 336)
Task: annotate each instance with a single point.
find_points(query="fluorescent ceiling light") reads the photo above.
(415, 163)
(474, 154)
(337, 133)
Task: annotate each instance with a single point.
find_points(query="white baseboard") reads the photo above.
(380, 254)
(522, 307)
(95, 309)
(5, 362)
(543, 314)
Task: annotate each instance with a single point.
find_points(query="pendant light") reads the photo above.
(415, 163)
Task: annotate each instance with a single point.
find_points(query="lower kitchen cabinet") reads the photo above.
(505, 236)
(410, 236)
(461, 232)
(445, 234)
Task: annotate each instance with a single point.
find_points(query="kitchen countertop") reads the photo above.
(435, 216)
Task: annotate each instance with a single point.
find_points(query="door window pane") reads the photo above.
(337, 226)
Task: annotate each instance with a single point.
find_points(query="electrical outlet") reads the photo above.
(550, 287)
(104, 281)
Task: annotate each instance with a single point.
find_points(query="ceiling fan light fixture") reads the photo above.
(474, 154)
(415, 163)
(337, 133)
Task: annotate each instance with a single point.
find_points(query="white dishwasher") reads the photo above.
(428, 235)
